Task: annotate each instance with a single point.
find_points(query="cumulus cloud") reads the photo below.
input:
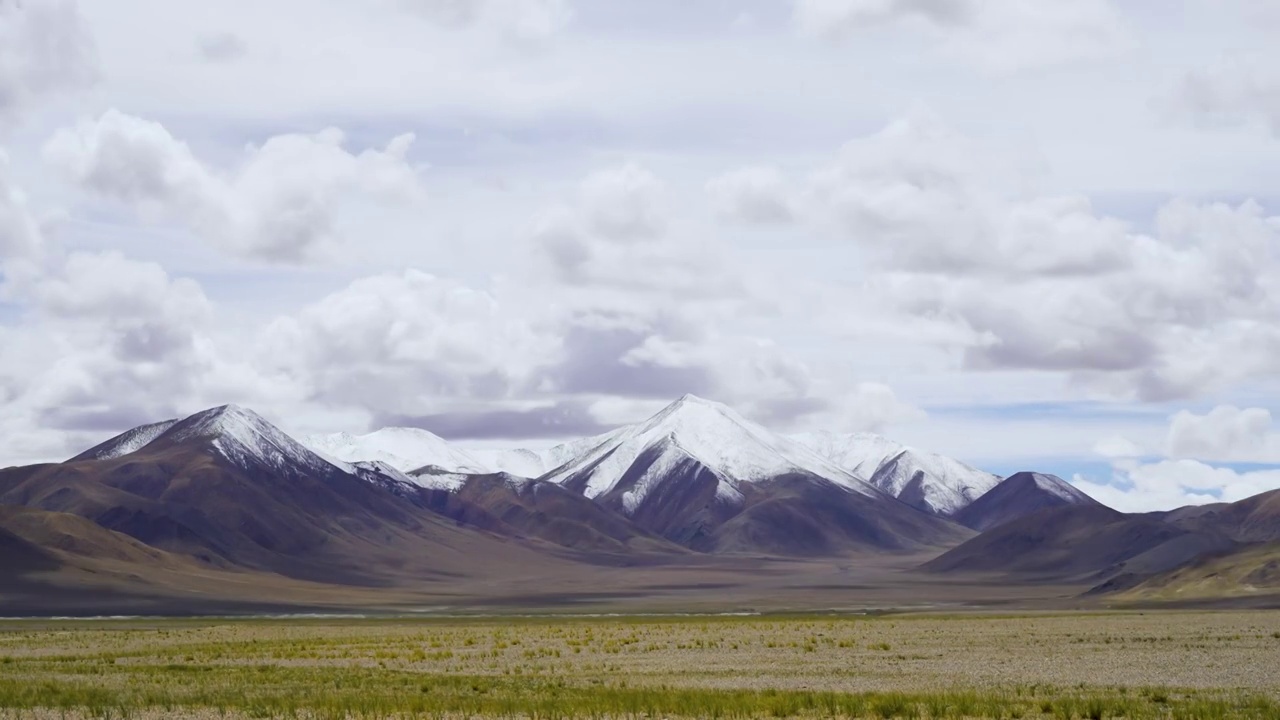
(404, 343)
(752, 195)
(281, 204)
(1225, 433)
(624, 204)
(1045, 282)
(997, 34)
(1169, 484)
(45, 49)
(917, 196)
(614, 240)
(108, 342)
(1185, 476)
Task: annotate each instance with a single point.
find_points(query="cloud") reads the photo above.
(839, 17)
(281, 204)
(404, 343)
(20, 235)
(1231, 93)
(995, 34)
(520, 20)
(752, 195)
(45, 50)
(1170, 484)
(1225, 433)
(1045, 282)
(221, 47)
(559, 420)
(614, 241)
(919, 197)
(106, 339)
(1118, 448)
(625, 356)
(624, 204)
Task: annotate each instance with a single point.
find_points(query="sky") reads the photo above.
(1026, 235)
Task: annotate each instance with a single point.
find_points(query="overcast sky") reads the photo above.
(1028, 235)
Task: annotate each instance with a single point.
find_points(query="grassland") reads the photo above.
(1152, 665)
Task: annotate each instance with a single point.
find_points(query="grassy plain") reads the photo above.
(1121, 665)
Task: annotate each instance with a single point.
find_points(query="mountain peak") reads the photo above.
(405, 448)
(245, 438)
(1051, 484)
(635, 458)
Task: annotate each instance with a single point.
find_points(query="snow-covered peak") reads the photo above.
(406, 449)
(710, 433)
(247, 439)
(126, 442)
(926, 480)
(1055, 485)
(861, 453)
(534, 463)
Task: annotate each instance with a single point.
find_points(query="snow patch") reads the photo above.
(130, 441)
(1060, 488)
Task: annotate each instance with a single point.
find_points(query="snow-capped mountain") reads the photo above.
(636, 460)
(405, 449)
(410, 450)
(526, 462)
(699, 474)
(927, 481)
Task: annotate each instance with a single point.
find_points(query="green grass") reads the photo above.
(633, 668)
(265, 691)
(109, 689)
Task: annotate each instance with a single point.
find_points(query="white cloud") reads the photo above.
(754, 195)
(45, 49)
(996, 34)
(20, 236)
(406, 342)
(1225, 433)
(615, 243)
(1118, 448)
(624, 204)
(283, 203)
(1169, 484)
(1231, 93)
(1045, 282)
(520, 20)
(110, 342)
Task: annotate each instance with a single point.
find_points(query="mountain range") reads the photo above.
(223, 509)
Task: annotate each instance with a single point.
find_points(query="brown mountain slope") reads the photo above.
(519, 507)
(195, 490)
(1251, 520)
(1249, 572)
(805, 516)
(799, 515)
(1086, 542)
